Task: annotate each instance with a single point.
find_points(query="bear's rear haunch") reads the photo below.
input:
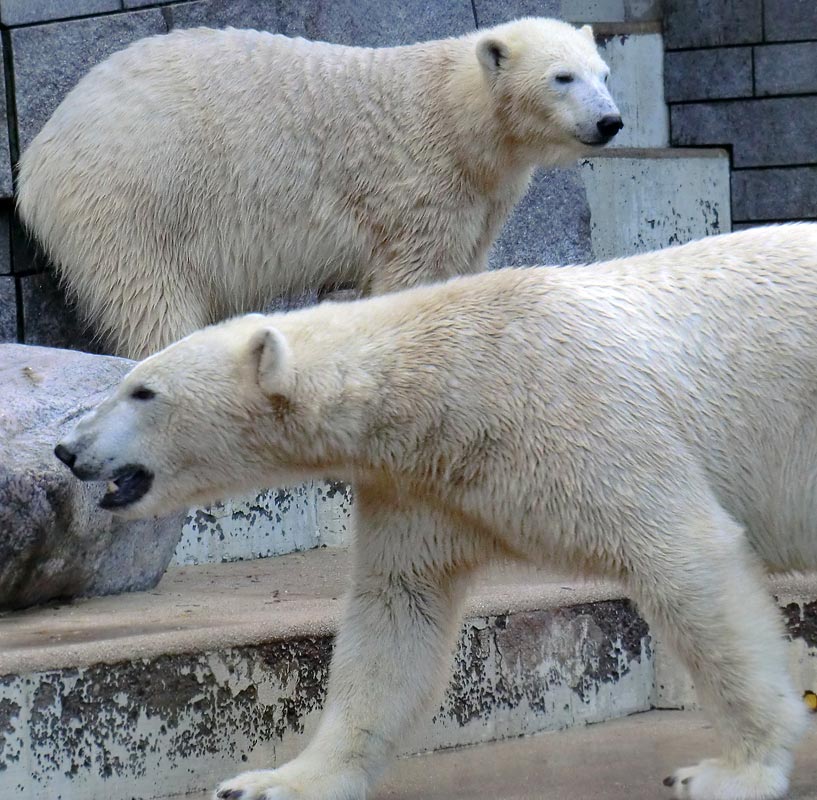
(651, 418)
(204, 173)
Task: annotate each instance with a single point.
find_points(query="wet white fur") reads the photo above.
(652, 418)
(201, 174)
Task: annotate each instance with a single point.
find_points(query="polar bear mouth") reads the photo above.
(129, 484)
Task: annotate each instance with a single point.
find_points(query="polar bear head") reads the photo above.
(205, 418)
(548, 85)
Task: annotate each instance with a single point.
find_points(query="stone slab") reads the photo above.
(531, 656)
(786, 68)
(551, 225)
(6, 186)
(637, 85)
(50, 59)
(789, 20)
(710, 23)
(54, 540)
(8, 309)
(492, 12)
(271, 523)
(716, 73)
(649, 199)
(772, 131)
(774, 194)
(21, 12)
(367, 23)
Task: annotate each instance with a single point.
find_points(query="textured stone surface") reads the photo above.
(19, 12)
(193, 719)
(786, 68)
(491, 12)
(49, 319)
(706, 23)
(774, 194)
(790, 19)
(708, 74)
(654, 199)
(550, 226)
(369, 23)
(50, 59)
(54, 540)
(272, 523)
(764, 132)
(8, 309)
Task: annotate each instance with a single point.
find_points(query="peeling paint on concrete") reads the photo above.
(646, 202)
(149, 728)
(273, 522)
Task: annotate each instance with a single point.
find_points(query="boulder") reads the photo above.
(55, 542)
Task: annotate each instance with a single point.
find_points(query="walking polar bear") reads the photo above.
(651, 418)
(204, 173)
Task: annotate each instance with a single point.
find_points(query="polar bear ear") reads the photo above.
(587, 30)
(272, 358)
(492, 53)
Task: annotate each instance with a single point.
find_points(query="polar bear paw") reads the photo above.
(287, 784)
(714, 779)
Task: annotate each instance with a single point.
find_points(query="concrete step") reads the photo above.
(624, 759)
(223, 667)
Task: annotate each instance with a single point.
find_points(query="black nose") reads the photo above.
(609, 126)
(65, 455)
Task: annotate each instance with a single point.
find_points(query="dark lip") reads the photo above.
(597, 142)
(133, 482)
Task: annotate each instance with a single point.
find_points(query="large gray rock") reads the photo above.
(54, 540)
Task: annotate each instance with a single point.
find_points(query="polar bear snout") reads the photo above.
(608, 126)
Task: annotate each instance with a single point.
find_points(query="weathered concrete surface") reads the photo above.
(649, 199)
(183, 698)
(223, 667)
(623, 759)
(637, 83)
(274, 522)
(54, 540)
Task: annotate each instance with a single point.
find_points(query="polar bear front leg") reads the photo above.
(708, 594)
(391, 654)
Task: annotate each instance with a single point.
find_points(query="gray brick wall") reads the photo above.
(742, 74)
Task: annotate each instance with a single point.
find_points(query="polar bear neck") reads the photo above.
(379, 387)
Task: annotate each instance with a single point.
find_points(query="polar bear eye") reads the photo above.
(564, 77)
(143, 393)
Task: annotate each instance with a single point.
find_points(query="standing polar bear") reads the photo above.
(651, 418)
(201, 174)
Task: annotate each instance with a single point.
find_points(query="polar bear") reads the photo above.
(651, 418)
(203, 173)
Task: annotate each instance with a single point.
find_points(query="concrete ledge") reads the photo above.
(215, 606)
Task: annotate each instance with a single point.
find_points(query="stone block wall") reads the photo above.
(742, 74)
